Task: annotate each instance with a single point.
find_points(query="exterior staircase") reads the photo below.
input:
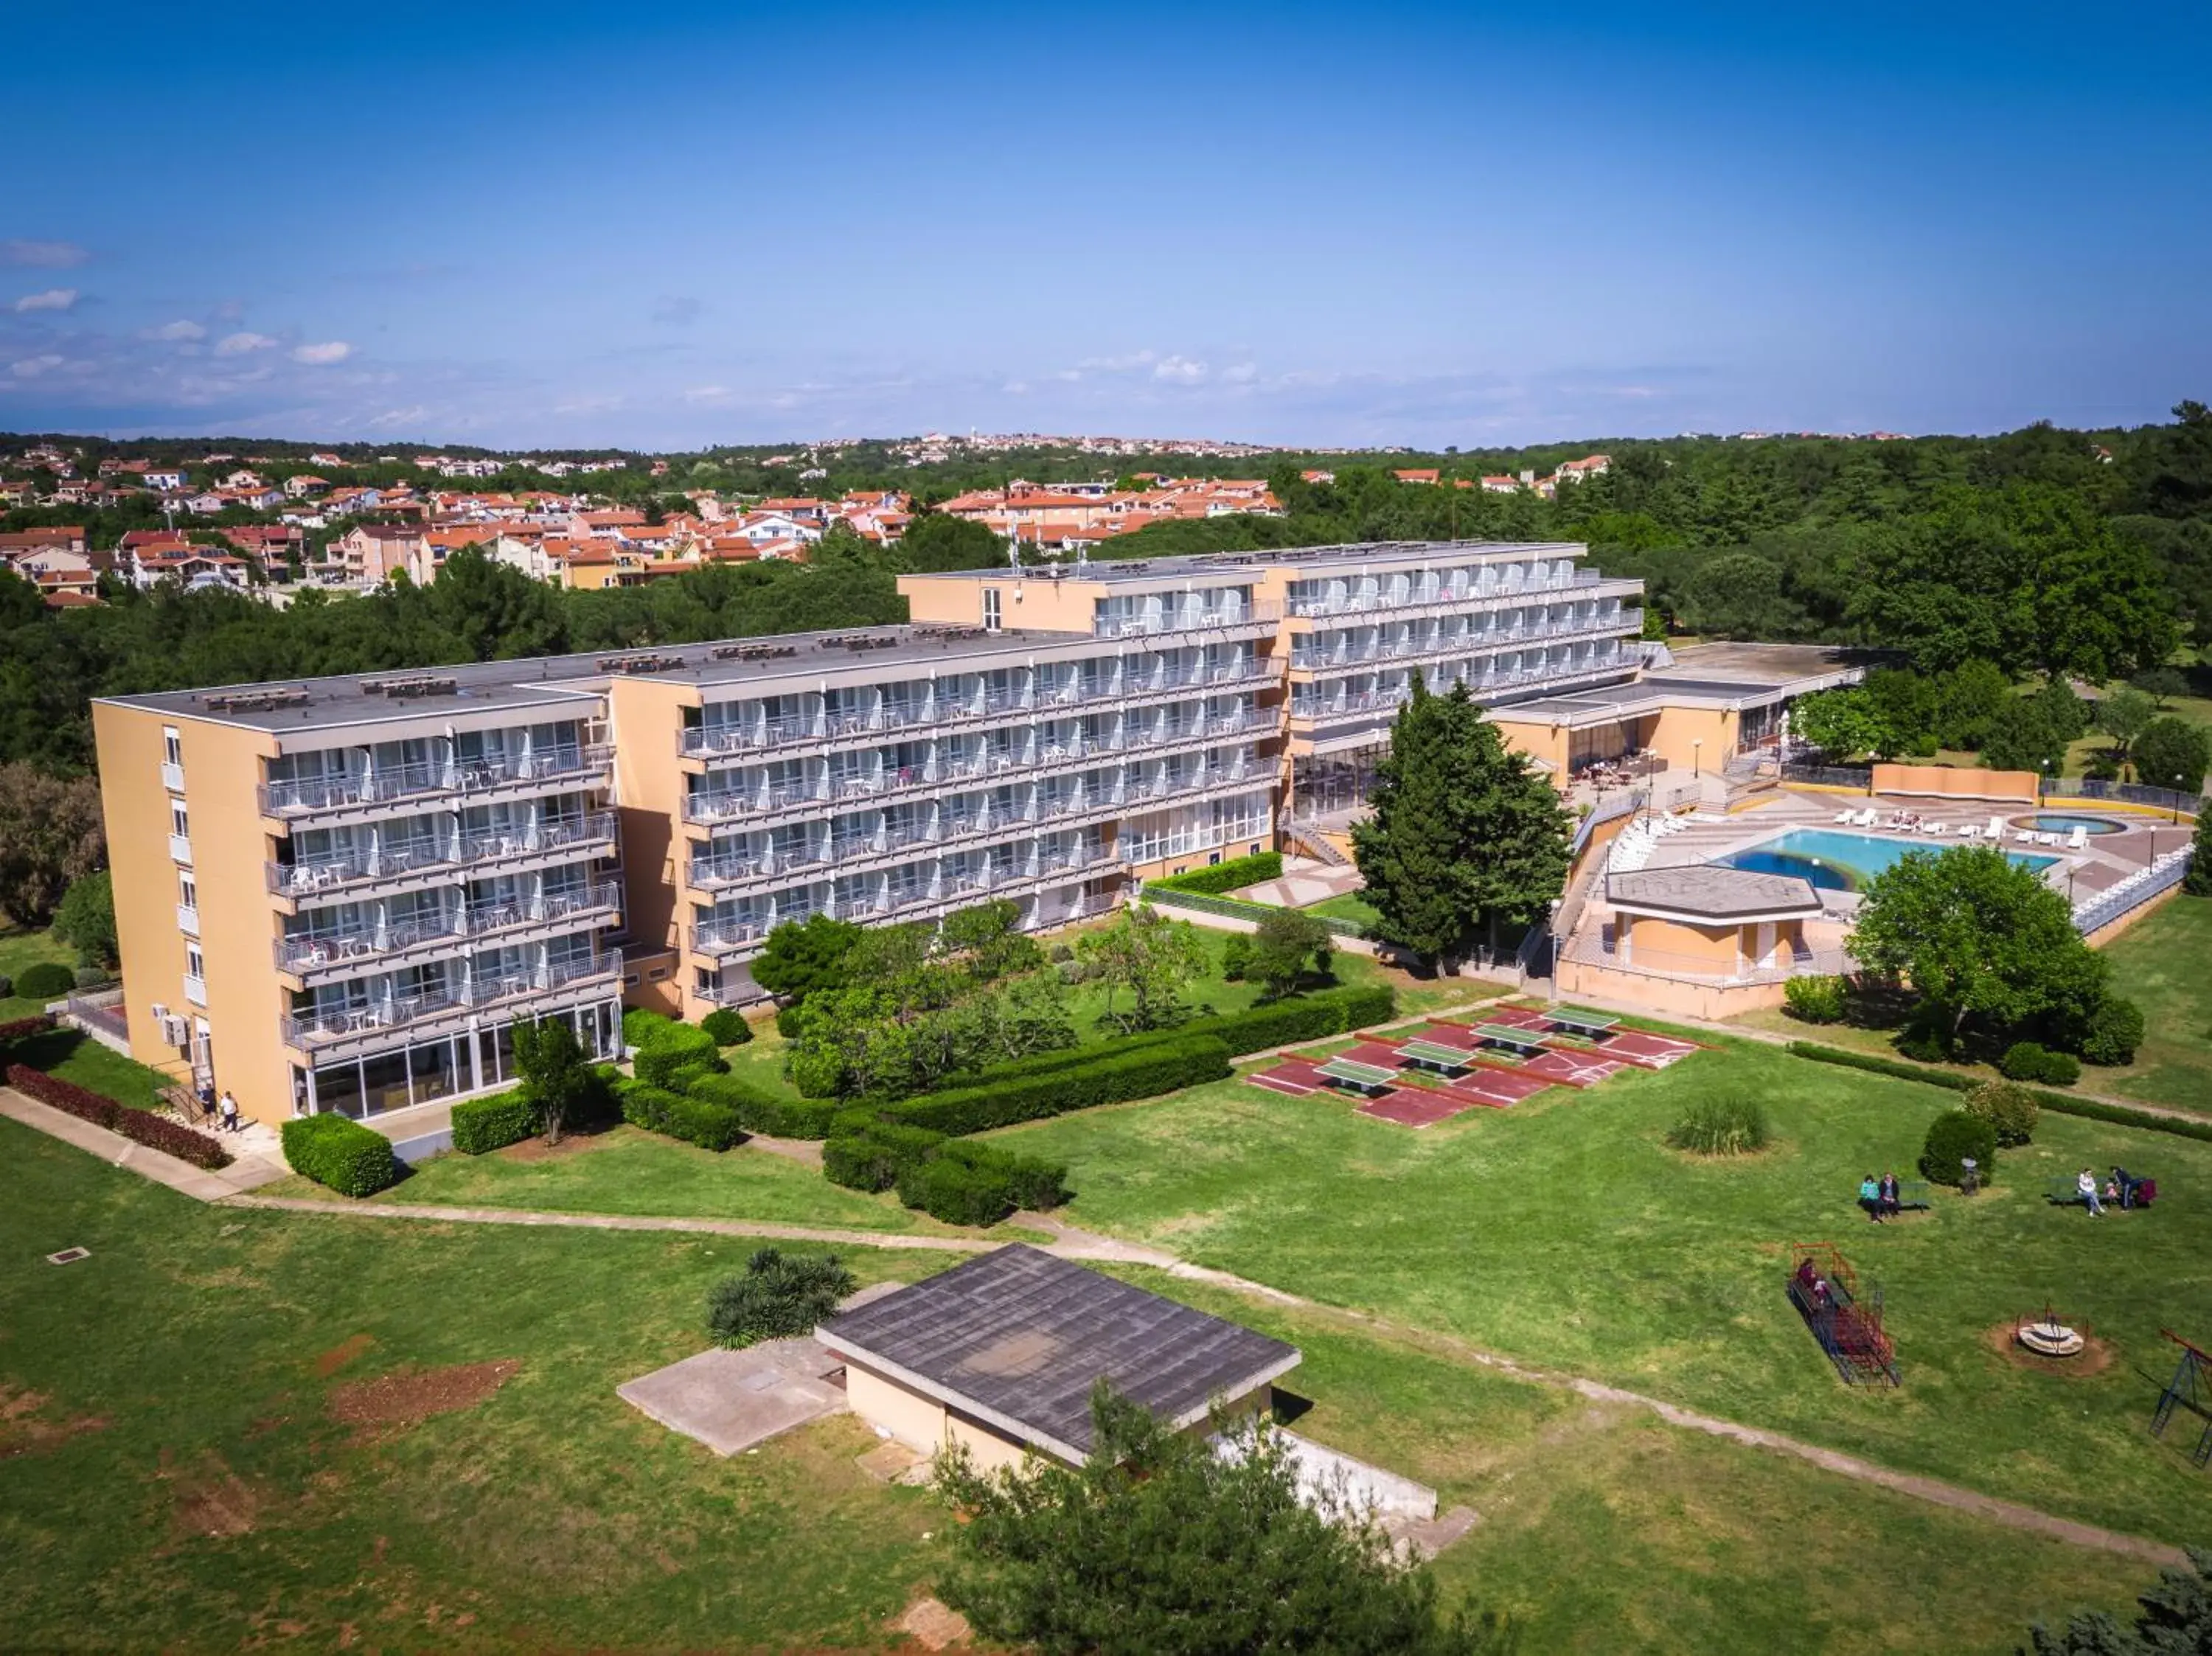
(1312, 842)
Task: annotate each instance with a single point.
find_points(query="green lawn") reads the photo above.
(1351, 907)
(75, 1056)
(171, 1475)
(21, 947)
(2160, 963)
(1565, 1231)
(626, 1170)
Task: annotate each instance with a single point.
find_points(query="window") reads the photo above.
(990, 612)
(172, 747)
(180, 824)
(188, 891)
(195, 967)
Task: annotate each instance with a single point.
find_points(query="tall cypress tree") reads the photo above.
(1466, 839)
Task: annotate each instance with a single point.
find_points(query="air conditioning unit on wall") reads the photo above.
(175, 1031)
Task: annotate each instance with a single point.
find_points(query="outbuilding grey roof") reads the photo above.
(1019, 1337)
(1709, 891)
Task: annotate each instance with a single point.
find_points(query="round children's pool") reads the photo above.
(2059, 822)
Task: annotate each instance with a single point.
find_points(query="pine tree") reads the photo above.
(1465, 839)
(2198, 881)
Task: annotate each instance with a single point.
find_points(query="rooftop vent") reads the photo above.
(647, 663)
(256, 701)
(416, 685)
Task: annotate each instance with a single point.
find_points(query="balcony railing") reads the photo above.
(306, 879)
(302, 1030)
(1183, 621)
(315, 950)
(1353, 604)
(304, 796)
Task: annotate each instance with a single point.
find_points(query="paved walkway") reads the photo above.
(248, 1173)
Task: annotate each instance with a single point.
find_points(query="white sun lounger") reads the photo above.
(1995, 829)
(1842, 817)
(1969, 831)
(2079, 839)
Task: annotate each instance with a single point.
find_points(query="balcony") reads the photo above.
(1180, 620)
(181, 848)
(364, 1024)
(354, 790)
(326, 876)
(188, 920)
(318, 951)
(1417, 603)
(196, 991)
(172, 776)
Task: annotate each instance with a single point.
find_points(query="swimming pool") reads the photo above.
(1835, 861)
(2053, 822)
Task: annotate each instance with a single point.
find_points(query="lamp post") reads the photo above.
(1557, 904)
(1697, 756)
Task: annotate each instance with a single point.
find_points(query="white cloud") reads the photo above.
(237, 344)
(406, 417)
(1120, 364)
(54, 299)
(43, 255)
(176, 332)
(1015, 387)
(706, 395)
(31, 367)
(1179, 371)
(1241, 373)
(335, 350)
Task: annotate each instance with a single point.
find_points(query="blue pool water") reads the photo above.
(1836, 861)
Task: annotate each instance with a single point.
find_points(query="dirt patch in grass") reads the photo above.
(536, 1149)
(2003, 1338)
(934, 1625)
(329, 1362)
(408, 1398)
(26, 1429)
(212, 1500)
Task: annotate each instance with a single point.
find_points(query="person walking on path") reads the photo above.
(230, 1112)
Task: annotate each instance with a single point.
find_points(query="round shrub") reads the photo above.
(786, 1022)
(2061, 1068)
(1953, 1137)
(1060, 952)
(727, 1026)
(2031, 1060)
(2115, 1029)
(1236, 957)
(2010, 1108)
(640, 1026)
(91, 977)
(1924, 1046)
(1071, 972)
(1721, 1126)
(47, 980)
(672, 1047)
(1814, 999)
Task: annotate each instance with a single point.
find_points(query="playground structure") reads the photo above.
(2047, 1336)
(1824, 1289)
(2190, 1388)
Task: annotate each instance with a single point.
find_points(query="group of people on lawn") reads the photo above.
(1879, 1196)
(2121, 1187)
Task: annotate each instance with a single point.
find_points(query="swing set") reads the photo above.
(2190, 1388)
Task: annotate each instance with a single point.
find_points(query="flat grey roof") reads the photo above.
(1218, 566)
(555, 682)
(1709, 891)
(1019, 1337)
(1711, 675)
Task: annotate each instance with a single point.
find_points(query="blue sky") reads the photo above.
(569, 226)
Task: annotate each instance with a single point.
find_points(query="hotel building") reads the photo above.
(341, 893)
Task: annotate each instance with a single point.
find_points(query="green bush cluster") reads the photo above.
(2010, 1110)
(776, 1298)
(956, 1180)
(47, 980)
(1951, 1136)
(727, 1026)
(1299, 1018)
(1226, 876)
(2031, 1060)
(1814, 999)
(481, 1124)
(339, 1153)
(2115, 1031)
(1721, 1126)
(700, 1121)
(1236, 957)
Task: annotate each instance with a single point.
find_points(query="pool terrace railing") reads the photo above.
(2094, 914)
(2126, 794)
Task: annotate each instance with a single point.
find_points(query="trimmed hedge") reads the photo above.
(762, 1111)
(1300, 1018)
(342, 1153)
(705, 1122)
(2089, 1109)
(47, 980)
(1155, 1068)
(490, 1124)
(2030, 1060)
(38, 1023)
(140, 1126)
(672, 1047)
(876, 1156)
(640, 1026)
(956, 1181)
(1227, 875)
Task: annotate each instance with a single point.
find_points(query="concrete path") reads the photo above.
(247, 1173)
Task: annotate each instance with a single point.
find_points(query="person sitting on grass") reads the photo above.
(2087, 1184)
(1888, 1194)
(1870, 1197)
